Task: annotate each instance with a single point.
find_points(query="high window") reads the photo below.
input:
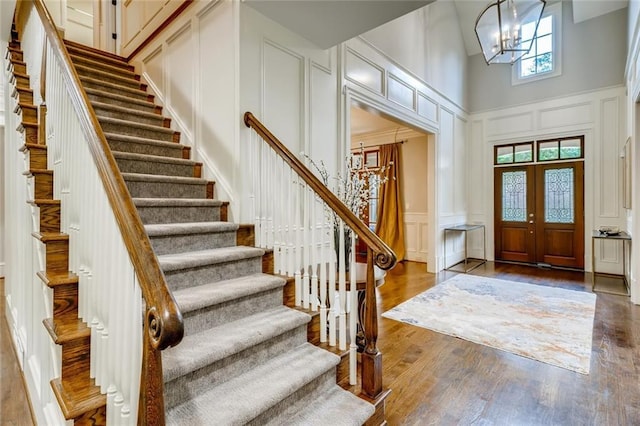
(543, 60)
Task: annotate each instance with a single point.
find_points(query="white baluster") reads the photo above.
(305, 249)
(353, 314)
(342, 288)
(333, 309)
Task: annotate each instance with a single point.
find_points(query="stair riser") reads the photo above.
(140, 189)
(16, 55)
(148, 107)
(213, 316)
(106, 87)
(19, 67)
(24, 95)
(49, 218)
(142, 148)
(122, 70)
(185, 278)
(192, 242)
(155, 168)
(78, 51)
(57, 257)
(37, 158)
(29, 114)
(30, 131)
(43, 188)
(158, 120)
(304, 396)
(76, 359)
(110, 78)
(184, 387)
(178, 214)
(65, 302)
(19, 80)
(159, 133)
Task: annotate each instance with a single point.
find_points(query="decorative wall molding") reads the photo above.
(416, 231)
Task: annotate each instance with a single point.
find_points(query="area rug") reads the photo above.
(547, 324)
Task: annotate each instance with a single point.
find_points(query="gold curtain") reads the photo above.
(389, 226)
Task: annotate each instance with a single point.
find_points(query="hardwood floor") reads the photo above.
(14, 404)
(441, 380)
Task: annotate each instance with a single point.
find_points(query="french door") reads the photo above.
(539, 214)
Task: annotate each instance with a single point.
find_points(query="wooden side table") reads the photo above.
(469, 263)
(610, 279)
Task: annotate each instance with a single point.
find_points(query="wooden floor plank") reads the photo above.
(441, 380)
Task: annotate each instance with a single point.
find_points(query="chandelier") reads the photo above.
(500, 29)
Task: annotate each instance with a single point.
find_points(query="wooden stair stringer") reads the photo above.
(79, 398)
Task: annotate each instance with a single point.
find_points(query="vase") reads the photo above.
(347, 248)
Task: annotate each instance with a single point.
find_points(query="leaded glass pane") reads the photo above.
(524, 153)
(514, 196)
(570, 148)
(504, 154)
(558, 196)
(548, 151)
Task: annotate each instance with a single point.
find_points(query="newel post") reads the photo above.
(371, 356)
(151, 401)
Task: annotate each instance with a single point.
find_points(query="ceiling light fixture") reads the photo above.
(499, 29)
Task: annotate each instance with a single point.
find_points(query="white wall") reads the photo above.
(593, 57)
(218, 60)
(192, 67)
(428, 43)
(632, 76)
(600, 117)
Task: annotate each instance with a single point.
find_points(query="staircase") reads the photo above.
(245, 358)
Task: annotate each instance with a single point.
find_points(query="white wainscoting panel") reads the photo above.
(510, 124)
(610, 186)
(566, 115)
(323, 117)
(179, 63)
(427, 108)
(140, 18)
(416, 231)
(400, 92)
(460, 165)
(283, 94)
(364, 73)
(446, 173)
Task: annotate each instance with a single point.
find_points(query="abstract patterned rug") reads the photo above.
(547, 324)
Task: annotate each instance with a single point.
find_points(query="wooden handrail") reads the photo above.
(163, 323)
(377, 251)
(384, 257)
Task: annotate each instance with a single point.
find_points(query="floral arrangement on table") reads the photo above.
(353, 189)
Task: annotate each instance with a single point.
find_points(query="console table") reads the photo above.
(469, 262)
(608, 284)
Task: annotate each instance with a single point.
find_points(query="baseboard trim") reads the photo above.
(1, 269)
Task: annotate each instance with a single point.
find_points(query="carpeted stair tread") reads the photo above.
(164, 229)
(86, 51)
(154, 143)
(194, 259)
(144, 104)
(241, 399)
(127, 123)
(128, 81)
(335, 407)
(141, 177)
(199, 350)
(194, 298)
(176, 202)
(118, 88)
(153, 158)
(132, 113)
(120, 68)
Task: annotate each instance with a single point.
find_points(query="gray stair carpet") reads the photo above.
(244, 358)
